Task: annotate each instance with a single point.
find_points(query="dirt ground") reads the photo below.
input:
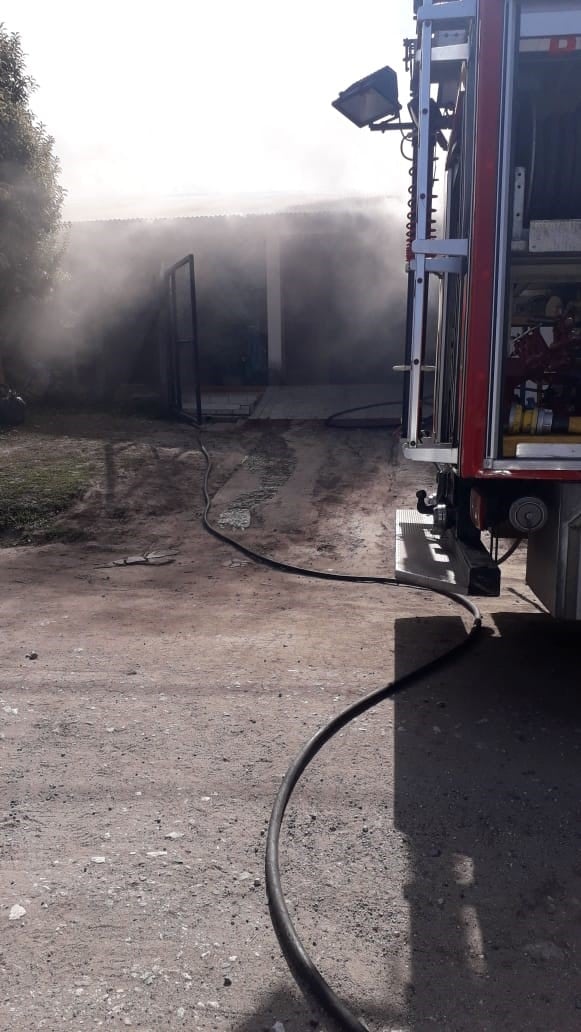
(432, 858)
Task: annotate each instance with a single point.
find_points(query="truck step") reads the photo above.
(437, 560)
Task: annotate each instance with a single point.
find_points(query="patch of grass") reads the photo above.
(35, 490)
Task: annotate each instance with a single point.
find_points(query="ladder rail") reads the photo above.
(439, 257)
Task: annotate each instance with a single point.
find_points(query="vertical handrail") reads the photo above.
(423, 223)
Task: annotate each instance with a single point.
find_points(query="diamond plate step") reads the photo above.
(439, 561)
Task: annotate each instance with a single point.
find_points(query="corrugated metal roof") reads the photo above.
(260, 210)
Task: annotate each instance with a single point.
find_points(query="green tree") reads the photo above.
(30, 193)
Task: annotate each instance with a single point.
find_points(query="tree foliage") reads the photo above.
(30, 193)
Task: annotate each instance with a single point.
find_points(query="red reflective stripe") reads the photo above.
(562, 44)
(474, 414)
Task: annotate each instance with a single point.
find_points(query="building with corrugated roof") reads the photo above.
(309, 295)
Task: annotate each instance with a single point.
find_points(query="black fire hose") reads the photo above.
(308, 977)
(315, 988)
(390, 423)
(335, 421)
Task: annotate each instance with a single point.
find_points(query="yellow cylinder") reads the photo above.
(529, 421)
(515, 419)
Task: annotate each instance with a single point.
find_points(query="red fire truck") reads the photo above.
(493, 393)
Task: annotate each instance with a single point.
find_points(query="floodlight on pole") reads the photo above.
(371, 99)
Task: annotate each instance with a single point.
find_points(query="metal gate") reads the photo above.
(183, 360)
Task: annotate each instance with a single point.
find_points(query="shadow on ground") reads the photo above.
(488, 768)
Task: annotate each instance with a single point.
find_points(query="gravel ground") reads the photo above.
(147, 714)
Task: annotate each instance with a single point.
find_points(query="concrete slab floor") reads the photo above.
(321, 401)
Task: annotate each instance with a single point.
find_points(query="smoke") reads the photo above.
(148, 135)
(343, 289)
(344, 296)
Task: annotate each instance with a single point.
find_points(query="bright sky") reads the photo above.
(154, 103)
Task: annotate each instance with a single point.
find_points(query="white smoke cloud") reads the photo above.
(148, 102)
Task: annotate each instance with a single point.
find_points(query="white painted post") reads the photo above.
(274, 307)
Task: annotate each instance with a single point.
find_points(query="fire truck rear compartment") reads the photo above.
(505, 433)
(541, 391)
(540, 408)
